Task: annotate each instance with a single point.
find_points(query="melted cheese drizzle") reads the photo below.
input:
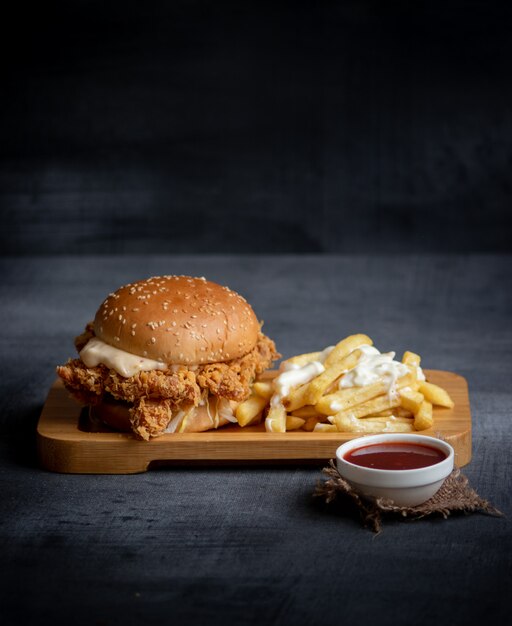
(97, 352)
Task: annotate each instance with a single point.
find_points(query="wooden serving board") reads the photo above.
(64, 445)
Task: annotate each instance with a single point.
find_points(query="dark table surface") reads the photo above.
(249, 545)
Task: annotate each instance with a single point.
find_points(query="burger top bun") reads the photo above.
(178, 320)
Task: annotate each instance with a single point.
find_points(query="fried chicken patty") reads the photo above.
(154, 395)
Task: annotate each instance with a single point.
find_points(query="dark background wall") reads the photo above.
(203, 126)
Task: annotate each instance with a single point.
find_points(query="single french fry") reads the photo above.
(325, 428)
(263, 389)
(275, 422)
(410, 358)
(413, 371)
(399, 426)
(246, 411)
(293, 423)
(319, 384)
(381, 403)
(351, 396)
(306, 412)
(348, 423)
(345, 347)
(436, 395)
(296, 398)
(310, 424)
(302, 359)
(410, 399)
(423, 418)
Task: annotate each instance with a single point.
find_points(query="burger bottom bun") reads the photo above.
(116, 415)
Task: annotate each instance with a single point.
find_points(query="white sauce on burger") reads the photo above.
(97, 352)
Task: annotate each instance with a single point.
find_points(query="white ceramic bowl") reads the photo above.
(408, 487)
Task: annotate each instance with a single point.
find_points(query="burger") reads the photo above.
(168, 354)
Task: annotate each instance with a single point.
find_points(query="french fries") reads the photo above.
(345, 398)
(275, 421)
(263, 389)
(369, 408)
(410, 358)
(302, 359)
(351, 424)
(296, 399)
(436, 395)
(246, 412)
(318, 385)
(411, 400)
(423, 417)
(294, 423)
(350, 387)
(345, 347)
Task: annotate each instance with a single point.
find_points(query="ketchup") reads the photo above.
(395, 455)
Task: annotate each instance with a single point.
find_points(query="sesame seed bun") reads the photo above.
(178, 320)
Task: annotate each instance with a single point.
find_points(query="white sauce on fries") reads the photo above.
(294, 378)
(124, 363)
(372, 367)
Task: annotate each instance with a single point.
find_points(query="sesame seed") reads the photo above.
(153, 340)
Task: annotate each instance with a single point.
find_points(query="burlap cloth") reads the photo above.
(454, 496)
